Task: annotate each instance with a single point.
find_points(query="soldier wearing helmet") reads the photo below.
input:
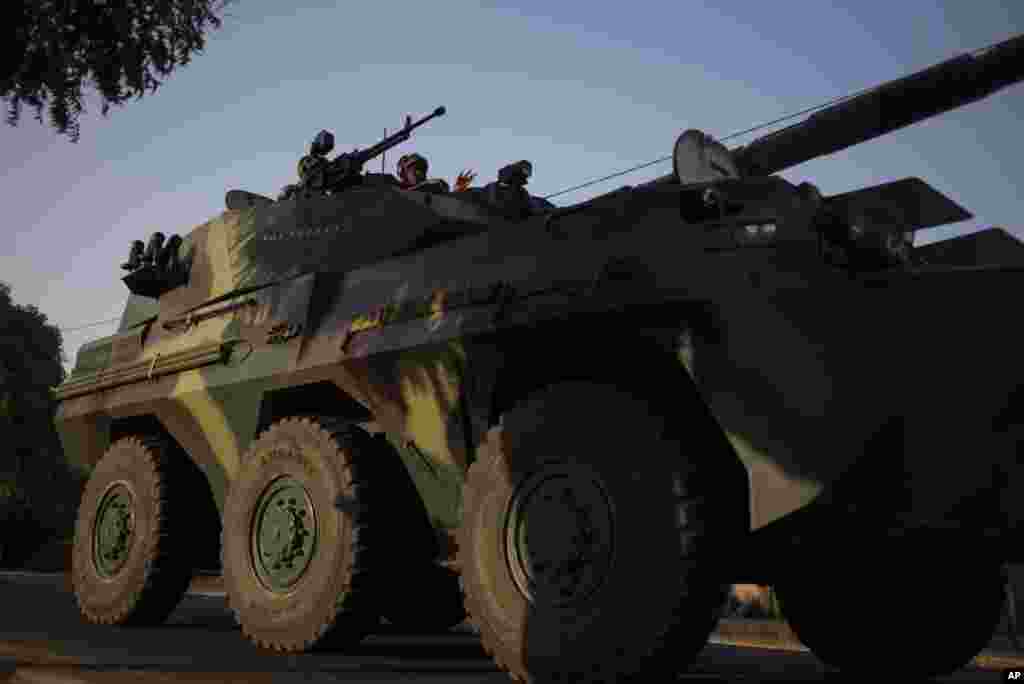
(412, 175)
(508, 194)
(311, 165)
(316, 160)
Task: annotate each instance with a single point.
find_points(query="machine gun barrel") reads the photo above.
(938, 89)
(360, 157)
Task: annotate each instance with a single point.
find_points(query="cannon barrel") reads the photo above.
(946, 86)
(893, 105)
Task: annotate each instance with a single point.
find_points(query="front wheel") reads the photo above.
(584, 547)
(923, 618)
(131, 561)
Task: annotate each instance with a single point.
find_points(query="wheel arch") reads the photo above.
(314, 398)
(638, 350)
(529, 370)
(629, 349)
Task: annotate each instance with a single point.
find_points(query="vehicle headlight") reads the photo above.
(756, 233)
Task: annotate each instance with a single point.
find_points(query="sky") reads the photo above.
(582, 90)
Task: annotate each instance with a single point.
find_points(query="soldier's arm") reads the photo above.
(464, 180)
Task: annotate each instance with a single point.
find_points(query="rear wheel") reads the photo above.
(298, 545)
(131, 563)
(586, 548)
(947, 612)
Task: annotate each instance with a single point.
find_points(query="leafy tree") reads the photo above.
(58, 45)
(31, 364)
(31, 358)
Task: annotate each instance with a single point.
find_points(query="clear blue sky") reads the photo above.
(580, 89)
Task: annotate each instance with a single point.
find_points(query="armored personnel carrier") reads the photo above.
(575, 425)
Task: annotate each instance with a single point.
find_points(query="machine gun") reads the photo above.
(344, 171)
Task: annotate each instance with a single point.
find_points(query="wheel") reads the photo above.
(298, 541)
(130, 559)
(947, 613)
(425, 599)
(587, 547)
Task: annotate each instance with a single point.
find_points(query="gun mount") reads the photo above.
(345, 170)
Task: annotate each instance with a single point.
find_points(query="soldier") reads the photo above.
(315, 161)
(412, 175)
(508, 194)
(310, 164)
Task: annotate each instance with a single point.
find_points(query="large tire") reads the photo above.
(923, 618)
(130, 562)
(626, 584)
(303, 482)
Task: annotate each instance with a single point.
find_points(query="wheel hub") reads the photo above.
(558, 535)
(113, 530)
(283, 534)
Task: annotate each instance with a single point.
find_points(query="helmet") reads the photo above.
(517, 174)
(410, 160)
(322, 144)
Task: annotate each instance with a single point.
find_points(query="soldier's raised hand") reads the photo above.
(463, 181)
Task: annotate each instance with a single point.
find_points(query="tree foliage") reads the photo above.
(31, 457)
(31, 356)
(31, 353)
(121, 47)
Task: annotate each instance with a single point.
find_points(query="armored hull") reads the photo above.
(802, 364)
